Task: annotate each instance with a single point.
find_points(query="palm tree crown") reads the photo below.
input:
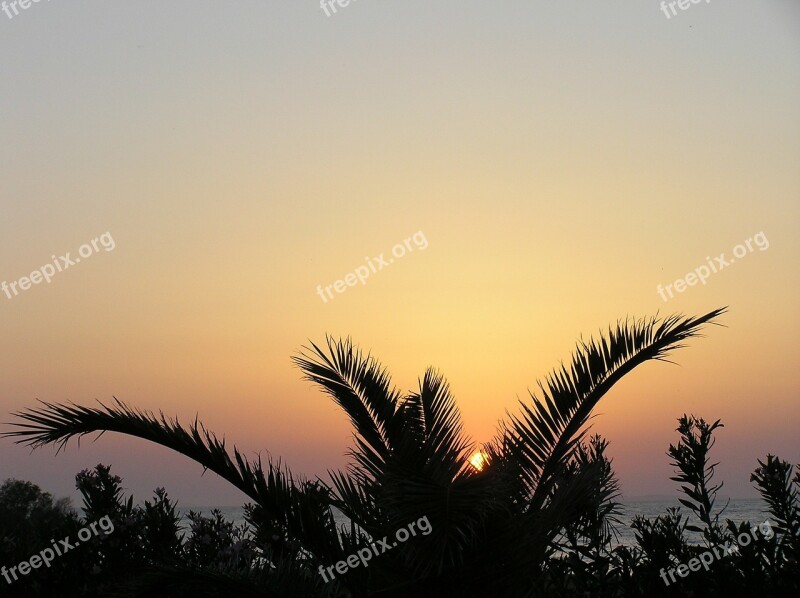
(492, 528)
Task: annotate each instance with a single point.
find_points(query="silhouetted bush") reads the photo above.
(536, 519)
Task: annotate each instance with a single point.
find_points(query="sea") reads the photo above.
(738, 510)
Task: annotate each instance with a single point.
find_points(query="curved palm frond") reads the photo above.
(360, 386)
(491, 530)
(411, 456)
(545, 435)
(284, 501)
(433, 441)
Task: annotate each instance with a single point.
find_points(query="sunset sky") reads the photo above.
(561, 160)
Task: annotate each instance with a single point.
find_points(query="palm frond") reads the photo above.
(546, 433)
(283, 499)
(362, 387)
(433, 443)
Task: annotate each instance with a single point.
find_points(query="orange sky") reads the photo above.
(561, 162)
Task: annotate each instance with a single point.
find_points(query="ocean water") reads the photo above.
(738, 510)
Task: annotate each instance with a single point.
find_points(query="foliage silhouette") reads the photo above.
(536, 520)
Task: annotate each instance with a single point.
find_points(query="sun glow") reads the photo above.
(479, 460)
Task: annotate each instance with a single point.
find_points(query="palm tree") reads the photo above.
(491, 529)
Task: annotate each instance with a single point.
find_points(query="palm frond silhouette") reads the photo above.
(491, 528)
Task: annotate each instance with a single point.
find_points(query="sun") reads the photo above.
(479, 460)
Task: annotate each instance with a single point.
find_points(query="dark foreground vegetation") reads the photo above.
(536, 520)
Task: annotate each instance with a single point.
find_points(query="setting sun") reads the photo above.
(479, 460)
(456, 317)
